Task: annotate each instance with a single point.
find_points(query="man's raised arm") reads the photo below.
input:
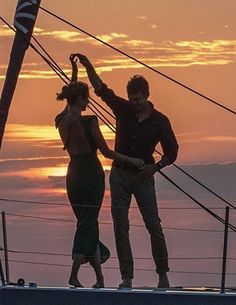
(92, 74)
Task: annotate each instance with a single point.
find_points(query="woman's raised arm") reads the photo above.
(73, 59)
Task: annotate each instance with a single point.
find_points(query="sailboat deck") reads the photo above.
(85, 296)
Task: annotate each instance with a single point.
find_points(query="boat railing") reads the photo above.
(5, 279)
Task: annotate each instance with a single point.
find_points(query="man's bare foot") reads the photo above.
(163, 281)
(126, 283)
(75, 282)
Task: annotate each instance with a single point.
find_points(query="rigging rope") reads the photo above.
(201, 184)
(51, 65)
(103, 119)
(59, 72)
(136, 60)
(196, 201)
(109, 124)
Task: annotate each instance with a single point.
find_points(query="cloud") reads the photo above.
(19, 132)
(3, 67)
(218, 177)
(134, 43)
(220, 139)
(35, 74)
(141, 17)
(40, 73)
(66, 36)
(153, 26)
(69, 36)
(46, 138)
(144, 18)
(76, 36)
(188, 53)
(5, 31)
(11, 165)
(41, 180)
(36, 133)
(111, 37)
(107, 133)
(155, 54)
(198, 137)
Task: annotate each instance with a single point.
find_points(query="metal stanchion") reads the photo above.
(4, 230)
(222, 289)
(2, 274)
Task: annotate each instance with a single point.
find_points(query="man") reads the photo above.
(139, 127)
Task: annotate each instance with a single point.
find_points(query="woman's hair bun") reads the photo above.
(73, 89)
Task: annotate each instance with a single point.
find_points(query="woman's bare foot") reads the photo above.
(99, 283)
(126, 283)
(75, 282)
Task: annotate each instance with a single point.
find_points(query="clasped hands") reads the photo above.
(82, 58)
(145, 170)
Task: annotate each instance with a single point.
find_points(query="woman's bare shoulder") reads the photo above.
(65, 122)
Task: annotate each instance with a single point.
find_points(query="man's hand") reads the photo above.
(148, 172)
(83, 60)
(138, 163)
(92, 74)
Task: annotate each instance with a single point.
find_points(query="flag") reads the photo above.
(24, 21)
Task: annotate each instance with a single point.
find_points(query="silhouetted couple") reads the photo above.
(139, 128)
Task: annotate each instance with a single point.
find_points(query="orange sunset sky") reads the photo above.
(193, 41)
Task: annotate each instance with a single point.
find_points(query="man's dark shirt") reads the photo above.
(139, 139)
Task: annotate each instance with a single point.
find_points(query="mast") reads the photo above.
(24, 21)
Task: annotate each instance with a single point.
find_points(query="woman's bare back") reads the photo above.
(73, 135)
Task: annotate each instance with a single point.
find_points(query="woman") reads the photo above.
(82, 137)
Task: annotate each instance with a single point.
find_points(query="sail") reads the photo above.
(24, 21)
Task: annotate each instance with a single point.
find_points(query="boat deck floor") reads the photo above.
(10, 295)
